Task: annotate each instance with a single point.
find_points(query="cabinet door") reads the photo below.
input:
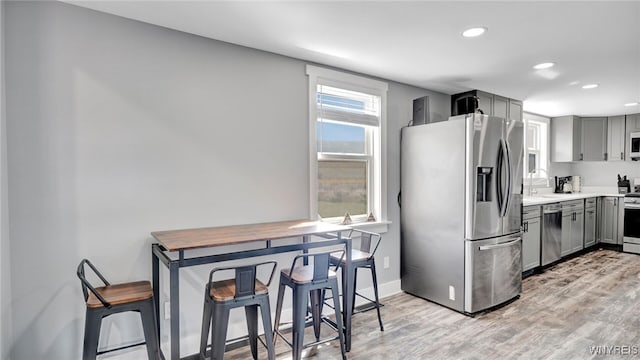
(609, 221)
(589, 227)
(565, 238)
(515, 110)
(615, 138)
(594, 139)
(500, 106)
(485, 102)
(531, 244)
(577, 231)
(565, 139)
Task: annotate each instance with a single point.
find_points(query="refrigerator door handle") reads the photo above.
(507, 196)
(503, 158)
(499, 186)
(498, 246)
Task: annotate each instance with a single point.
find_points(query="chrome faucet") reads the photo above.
(533, 191)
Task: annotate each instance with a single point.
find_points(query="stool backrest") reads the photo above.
(86, 285)
(245, 277)
(367, 240)
(320, 263)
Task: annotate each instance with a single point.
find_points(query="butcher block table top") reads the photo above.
(187, 239)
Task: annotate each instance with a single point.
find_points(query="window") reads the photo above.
(536, 160)
(347, 124)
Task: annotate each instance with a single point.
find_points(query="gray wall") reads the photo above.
(117, 128)
(604, 173)
(5, 279)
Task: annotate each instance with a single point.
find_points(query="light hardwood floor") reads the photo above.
(591, 300)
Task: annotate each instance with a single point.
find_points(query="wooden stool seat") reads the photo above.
(225, 290)
(121, 293)
(356, 255)
(303, 274)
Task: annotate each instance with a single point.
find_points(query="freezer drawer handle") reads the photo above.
(498, 246)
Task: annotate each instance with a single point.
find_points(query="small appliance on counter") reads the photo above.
(576, 183)
(563, 185)
(624, 186)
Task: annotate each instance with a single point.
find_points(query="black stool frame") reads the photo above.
(301, 293)
(215, 315)
(367, 239)
(94, 316)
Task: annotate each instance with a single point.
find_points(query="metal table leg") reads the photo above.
(174, 299)
(347, 296)
(155, 270)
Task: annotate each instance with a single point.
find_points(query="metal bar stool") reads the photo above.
(309, 281)
(221, 296)
(362, 257)
(111, 299)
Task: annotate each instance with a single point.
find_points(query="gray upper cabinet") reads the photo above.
(485, 102)
(566, 135)
(515, 110)
(616, 138)
(490, 104)
(632, 124)
(500, 106)
(594, 139)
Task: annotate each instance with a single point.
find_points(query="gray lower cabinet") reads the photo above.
(590, 222)
(609, 221)
(531, 237)
(577, 231)
(572, 238)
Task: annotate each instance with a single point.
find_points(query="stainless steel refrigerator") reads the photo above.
(461, 211)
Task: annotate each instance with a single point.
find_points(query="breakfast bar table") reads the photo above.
(171, 247)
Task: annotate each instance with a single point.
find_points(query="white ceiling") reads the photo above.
(419, 43)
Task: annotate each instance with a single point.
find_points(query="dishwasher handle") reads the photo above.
(554, 211)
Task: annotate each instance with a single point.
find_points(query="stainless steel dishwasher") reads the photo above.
(551, 233)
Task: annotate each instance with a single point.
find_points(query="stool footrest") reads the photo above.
(120, 348)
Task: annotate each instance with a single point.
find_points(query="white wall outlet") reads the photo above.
(386, 262)
(167, 310)
(452, 293)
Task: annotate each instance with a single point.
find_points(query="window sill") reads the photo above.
(379, 227)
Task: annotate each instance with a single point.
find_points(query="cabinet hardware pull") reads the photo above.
(605, 156)
(621, 156)
(581, 156)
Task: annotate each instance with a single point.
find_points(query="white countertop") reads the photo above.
(541, 199)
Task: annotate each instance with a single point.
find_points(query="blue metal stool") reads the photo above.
(111, 299)
(309, 281)
(362, 257)
(221, 296)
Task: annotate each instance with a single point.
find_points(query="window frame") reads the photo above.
(376, 189)
(542, 152)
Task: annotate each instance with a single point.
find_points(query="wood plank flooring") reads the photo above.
(591, 300)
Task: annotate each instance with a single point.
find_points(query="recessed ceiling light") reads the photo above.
(544, 65)
(631, 104)
(590, 86)
(473, 32)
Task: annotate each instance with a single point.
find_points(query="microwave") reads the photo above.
(634, 145)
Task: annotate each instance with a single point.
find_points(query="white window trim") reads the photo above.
(355, 83)
(541, 181)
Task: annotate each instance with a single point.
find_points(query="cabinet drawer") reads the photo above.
(573, 204)
(530, 212)
(590, 202)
